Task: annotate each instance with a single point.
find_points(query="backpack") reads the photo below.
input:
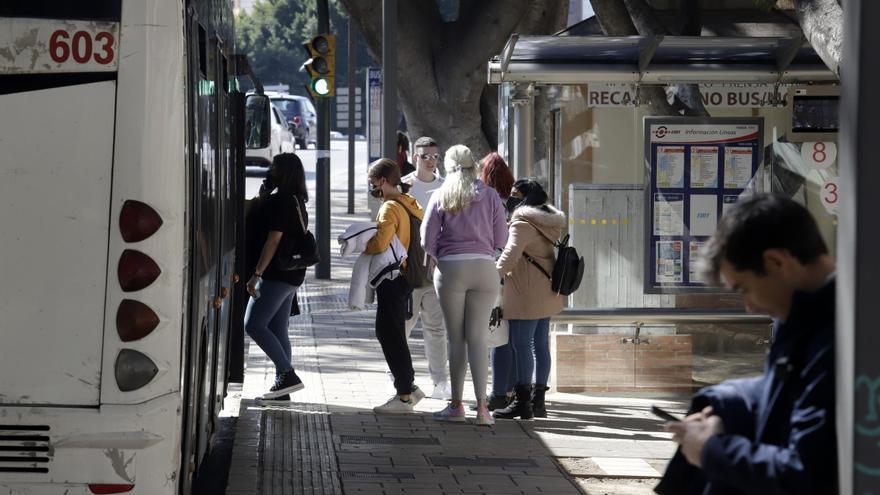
(568, 269)
(418, 270)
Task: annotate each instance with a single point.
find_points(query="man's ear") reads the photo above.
(776, 259)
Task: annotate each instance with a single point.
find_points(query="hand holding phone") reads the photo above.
(663, 414)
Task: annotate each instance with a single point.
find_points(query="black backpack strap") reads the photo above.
(529, 257)
(551, 241)
(404, 208)
(532, 261)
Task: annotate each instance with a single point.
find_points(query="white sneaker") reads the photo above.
(394, 406)
(417, 395)
(442, 391)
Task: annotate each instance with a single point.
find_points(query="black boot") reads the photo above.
(521, 406)
(538, 406)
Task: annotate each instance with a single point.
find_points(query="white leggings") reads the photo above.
(467, 289)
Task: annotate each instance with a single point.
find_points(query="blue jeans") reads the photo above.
(531, 345)
(266, 320)
(503, 370)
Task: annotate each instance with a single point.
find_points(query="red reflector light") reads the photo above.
(296, 119)
(137, 221)
(104, 489)
(135, 320)
(136, 270)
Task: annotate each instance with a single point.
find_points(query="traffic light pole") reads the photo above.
(322, 183)
(390, 118)
(352, 92)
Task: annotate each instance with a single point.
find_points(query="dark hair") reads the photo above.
(290, 175)
(755, 224)
(425, 142)
(533, 193)
(496, 174)
(402, 141)
(387, 169)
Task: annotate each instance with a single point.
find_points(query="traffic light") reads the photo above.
(321, 65)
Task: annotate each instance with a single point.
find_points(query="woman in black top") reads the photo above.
(279, 214)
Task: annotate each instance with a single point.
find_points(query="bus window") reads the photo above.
(257, 128)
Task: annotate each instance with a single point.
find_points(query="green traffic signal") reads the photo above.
(321, 65)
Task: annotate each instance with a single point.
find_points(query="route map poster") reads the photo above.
(698, 167)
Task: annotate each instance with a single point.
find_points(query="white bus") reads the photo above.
(120, 162)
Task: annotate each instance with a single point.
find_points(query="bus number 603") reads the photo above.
(80, 46)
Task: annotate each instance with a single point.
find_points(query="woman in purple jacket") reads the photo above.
(464, 224)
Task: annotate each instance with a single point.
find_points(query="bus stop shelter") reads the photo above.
(529, 61)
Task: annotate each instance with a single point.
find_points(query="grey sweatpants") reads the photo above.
(467, 290)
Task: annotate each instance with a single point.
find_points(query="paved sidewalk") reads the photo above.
(329, 440)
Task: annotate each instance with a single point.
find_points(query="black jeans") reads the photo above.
(393, 298)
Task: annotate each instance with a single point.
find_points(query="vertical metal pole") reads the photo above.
(857, 368)
(322, 182)
(523, 132)
(390, 118)
(352, 91)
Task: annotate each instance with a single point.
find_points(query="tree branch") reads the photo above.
(614, 18)
(644, 17)
(822, 23)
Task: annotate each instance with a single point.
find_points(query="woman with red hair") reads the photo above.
(496, 174)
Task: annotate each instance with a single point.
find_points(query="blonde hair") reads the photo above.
(460, 187)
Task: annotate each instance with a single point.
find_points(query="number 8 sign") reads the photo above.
(819, 154)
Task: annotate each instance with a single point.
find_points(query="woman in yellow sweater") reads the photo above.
(393, 294)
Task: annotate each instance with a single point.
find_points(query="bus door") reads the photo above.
(204, 297)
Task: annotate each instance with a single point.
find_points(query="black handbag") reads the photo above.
(297, 254)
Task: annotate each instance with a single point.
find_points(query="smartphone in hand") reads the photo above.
(665, 415)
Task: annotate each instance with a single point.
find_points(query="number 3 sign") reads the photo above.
(830, 195)
(819, 154)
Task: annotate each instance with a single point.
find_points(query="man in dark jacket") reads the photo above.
(773, 433)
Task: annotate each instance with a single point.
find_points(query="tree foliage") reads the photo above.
(273, 33)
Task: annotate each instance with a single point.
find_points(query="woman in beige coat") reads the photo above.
(528, 301)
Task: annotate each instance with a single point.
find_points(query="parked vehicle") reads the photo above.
(300, 115)
(262, 146)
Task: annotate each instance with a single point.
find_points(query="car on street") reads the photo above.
(300, 115)
(266, 134)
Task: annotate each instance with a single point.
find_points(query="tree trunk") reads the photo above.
(630, 17)
(822, 23)
(442, 66)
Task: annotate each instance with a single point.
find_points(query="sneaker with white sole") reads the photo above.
(442, 391)
(484, 418)
(395, 406)
(451, 414)
(417, 395)
(285, 383)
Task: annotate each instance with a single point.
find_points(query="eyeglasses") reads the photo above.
(423, 156)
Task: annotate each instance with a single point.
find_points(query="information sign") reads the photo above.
(698, 168)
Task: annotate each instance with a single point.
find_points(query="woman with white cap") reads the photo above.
(465, 223)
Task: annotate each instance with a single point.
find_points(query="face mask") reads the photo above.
(511, 203)
(375, 192)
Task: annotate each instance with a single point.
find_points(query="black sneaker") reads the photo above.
(285, 383)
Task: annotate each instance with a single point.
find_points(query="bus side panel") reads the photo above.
(54, 190)
(150, 167)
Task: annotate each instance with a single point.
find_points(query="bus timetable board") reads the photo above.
(697, 168)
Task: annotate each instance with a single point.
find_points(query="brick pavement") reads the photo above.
(328, 440)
